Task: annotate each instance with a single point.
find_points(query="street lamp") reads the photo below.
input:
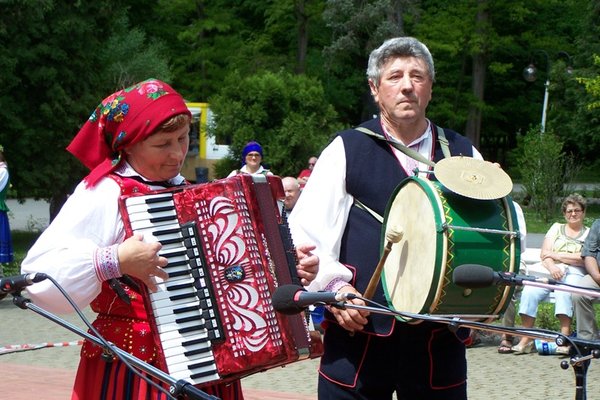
(530, 75)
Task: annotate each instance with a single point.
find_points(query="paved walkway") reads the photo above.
(492, 376)
(48, 373)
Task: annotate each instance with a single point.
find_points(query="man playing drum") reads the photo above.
(373, 356)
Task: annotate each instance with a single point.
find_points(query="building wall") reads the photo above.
(204, 151)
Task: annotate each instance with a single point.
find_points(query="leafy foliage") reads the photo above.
(545, 169)
(61, 59)
(286, 113)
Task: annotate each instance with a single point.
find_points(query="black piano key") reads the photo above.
(195, 352)
(175, 263)
(189, 319)
(183, 296)
(163, 219)
(173, 254)
(202, 374)
(194, 341)
(160, 209)
(191, 328)
(179, 286)
(175, 274)
(165, 242)
(159, 199)
(185, 309)
(162, 232)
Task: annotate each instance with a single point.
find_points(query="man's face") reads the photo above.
(292, 192)
(404, 90)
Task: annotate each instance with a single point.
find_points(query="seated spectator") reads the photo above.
(585, 316)
(561, 256)
(252, 155)
(305, 173)
(292, 192)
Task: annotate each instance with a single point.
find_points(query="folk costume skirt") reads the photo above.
(6, 247)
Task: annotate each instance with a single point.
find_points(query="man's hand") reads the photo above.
(350, 319)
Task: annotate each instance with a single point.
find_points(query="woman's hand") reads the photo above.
(141, 260)
(308, 263)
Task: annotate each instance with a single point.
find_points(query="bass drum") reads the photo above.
(442, 230)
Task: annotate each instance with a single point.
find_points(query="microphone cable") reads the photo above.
(106, 344)
(454, 323)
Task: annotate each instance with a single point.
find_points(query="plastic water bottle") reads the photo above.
(545, 348)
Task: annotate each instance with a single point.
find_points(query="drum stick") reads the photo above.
(394, 235)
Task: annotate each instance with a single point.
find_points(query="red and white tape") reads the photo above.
(27, 347)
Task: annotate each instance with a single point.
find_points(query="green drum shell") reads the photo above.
(417, 274)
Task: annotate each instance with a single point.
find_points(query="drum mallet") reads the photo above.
(394, 235)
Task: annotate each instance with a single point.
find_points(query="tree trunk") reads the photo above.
(473, 128)
(302, 19)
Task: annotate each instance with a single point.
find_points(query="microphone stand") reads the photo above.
(177, 388)
(580, 360)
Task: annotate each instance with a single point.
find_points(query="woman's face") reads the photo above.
(253, 160)
(160, 156)
(574, 213)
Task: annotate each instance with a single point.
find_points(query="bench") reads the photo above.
(531, 258)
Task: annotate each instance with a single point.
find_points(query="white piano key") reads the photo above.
(144, 224)
(202, 348)
(148, 216)
(194, 325)
(146, 199)
(186, 376)
(168, 304)
(174, 339)
(180, 362)
(174, 335)
(171, 318)
(162, 294)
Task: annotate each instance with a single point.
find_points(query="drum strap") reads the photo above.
(408, 151)
(373, 213)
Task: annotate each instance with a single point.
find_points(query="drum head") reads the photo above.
(409, 273)
(476, 179)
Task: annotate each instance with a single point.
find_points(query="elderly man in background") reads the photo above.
(291, 187)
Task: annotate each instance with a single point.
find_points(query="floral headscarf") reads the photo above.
(121, 120)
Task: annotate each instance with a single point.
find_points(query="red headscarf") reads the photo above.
(122, 119)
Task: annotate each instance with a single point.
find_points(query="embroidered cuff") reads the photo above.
(336, 284)
(106, 263)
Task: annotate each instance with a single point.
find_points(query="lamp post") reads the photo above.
(530, 75)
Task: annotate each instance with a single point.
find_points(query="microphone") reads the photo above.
(17, 283)
(293, 299)
(479, 276)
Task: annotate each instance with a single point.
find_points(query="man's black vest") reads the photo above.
(372, 174)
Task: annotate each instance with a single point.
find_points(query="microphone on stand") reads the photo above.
(475, 276)
(293, 299)
(17, 283)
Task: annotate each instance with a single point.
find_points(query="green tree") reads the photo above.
(545, 170)
(286, 113)
(59, 59)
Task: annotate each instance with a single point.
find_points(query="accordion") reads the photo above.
(228, 248)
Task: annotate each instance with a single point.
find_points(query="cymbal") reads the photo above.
(476, 179)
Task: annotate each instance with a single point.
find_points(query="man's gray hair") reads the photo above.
(398, 47)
